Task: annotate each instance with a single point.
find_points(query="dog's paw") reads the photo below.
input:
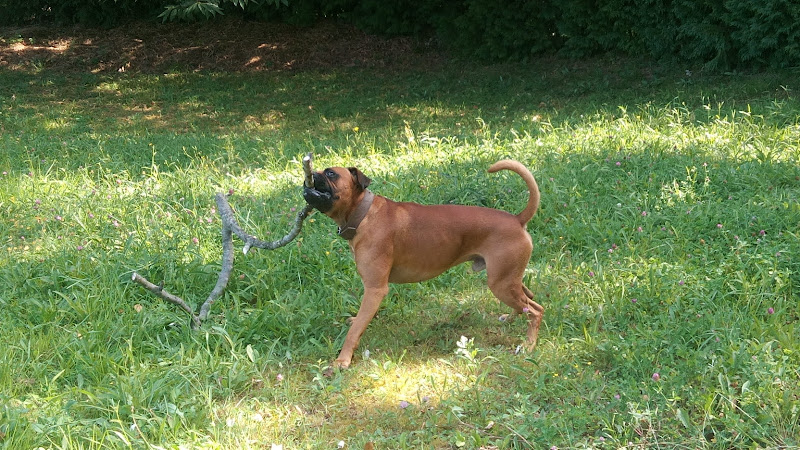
(336, 366)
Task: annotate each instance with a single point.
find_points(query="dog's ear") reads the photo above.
(362, 180)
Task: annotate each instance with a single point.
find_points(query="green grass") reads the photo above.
(667, 243)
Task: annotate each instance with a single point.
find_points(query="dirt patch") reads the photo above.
(231, 45)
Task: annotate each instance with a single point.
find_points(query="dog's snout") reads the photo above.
(320, 183)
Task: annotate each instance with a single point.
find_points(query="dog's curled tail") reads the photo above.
(533, 188)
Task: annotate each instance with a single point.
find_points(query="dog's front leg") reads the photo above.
(373, 296)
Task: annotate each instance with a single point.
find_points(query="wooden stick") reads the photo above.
(230, 226)
(309, 181)
(160, 292)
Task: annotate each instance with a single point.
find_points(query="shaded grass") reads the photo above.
(667, 243)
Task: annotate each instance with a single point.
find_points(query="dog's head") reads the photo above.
(336, 190)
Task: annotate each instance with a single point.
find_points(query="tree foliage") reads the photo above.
(721, 34)
(196, 9)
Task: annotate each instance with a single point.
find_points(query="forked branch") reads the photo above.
(230, 226)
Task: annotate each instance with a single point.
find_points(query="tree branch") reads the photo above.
(230, 226)
(160, 292)
(309, 179)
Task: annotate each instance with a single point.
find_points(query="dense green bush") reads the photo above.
(516, 30)
(391, 17)
(765, 32)
(720, 34)
(630, 26)
(732, 33)
(87, 12)
(704, 33)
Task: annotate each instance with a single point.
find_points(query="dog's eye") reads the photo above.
(331, 174)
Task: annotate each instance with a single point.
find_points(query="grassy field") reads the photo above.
(666, 255)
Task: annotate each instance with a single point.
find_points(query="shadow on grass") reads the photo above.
(130, 122)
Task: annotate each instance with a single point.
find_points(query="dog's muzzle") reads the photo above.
(320, 196)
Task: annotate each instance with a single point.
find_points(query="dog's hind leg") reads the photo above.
(505, 282)
(535, 313)
(522, 304)
(513, 315)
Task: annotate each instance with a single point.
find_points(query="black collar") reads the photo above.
(348, 231)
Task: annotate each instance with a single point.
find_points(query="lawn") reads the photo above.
(667, 258)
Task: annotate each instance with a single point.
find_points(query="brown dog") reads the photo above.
(396, 242)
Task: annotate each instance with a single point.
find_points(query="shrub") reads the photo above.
(515, 29)
(87, 12)
(765, 32)
(703, 33)
(720, 34)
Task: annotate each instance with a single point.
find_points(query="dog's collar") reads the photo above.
(348, 231)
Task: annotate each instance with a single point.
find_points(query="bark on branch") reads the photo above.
(230, 226)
